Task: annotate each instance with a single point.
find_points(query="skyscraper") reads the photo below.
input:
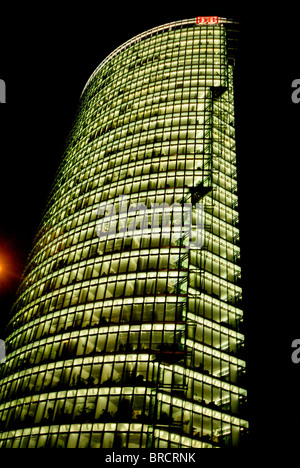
(127, 330)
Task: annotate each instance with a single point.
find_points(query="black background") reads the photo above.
(48, 54)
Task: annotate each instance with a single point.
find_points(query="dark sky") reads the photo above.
(48, 54)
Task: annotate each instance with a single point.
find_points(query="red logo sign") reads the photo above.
(207, 20)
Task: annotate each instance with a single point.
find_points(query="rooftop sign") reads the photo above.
(207, 20)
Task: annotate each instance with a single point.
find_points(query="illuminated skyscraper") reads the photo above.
(127, 330)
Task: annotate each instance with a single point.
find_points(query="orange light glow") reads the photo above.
(9, 267)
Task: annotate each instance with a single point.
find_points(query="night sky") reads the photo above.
(47, 55)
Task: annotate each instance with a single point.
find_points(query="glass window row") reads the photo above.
(158, 259)
(142, 88)
(214, 264)
(174, 162)
(131, 313)
(78, 436)
(123, 374)
(182, 123)
(134, 314)
(176, 130)
(217, 339)
(89, 316)
(162, 309)
(116, 137)
(150, 149)
(137, 104)
(163, 73)
(81, 275)
(203, 57)
(169, 46)
(142, 84)
(110, 147)
(48, 350)
(68, 218)
(65, 409)
(214, 60)
(128, 112)
(96, 269)
(148, 49)
(136, 366)
(109, 406)
(223, 249)
(74, 320)
(187, 78)
(71, 234)
(82, 374)
(207, 363)
(118, 263)
(89, 251)
(167, 79)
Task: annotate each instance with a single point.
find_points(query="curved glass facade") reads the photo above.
(127, 330)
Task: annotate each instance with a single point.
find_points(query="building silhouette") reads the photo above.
(127, 329)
